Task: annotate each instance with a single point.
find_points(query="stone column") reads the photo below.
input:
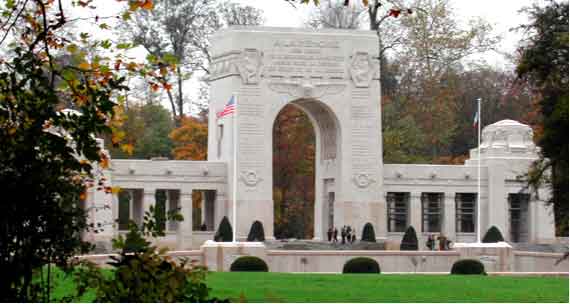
(416, 212)
(149, 199)
(203, 209)
(184, 233)
(449, 216)
(115, 212)
(498, 199)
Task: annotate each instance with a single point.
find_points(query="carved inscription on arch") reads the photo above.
(305, 58)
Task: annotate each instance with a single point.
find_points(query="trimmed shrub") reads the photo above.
(225, 232)
(256, 233)
(493, 235)
(410, 240)
(368, 234)
(468, 266)
(249, 263)
(361, 265)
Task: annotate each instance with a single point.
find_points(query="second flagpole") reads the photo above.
(234, 195)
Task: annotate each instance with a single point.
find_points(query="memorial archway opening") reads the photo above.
(305, 136)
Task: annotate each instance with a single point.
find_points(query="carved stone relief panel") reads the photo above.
(306, 88)
(362, 69)
(250, 65)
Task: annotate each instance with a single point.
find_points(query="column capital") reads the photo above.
(186, 195)
(149, 190)
(450, 195)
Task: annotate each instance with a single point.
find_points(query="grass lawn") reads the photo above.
(287, 287)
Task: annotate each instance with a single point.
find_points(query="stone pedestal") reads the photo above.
(219, 256)
(497, 257)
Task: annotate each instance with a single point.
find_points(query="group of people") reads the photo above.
(444, 243)
(347, 234)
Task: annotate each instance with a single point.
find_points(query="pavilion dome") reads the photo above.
(507, 136)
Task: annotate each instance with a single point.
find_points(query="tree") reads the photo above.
(293, 174)
(410, 240)
(235, 14)
(49, 154)
(503, 98)
(368, 234)
(544, 64)
(493, 235)
(191, 139)
(146, 129)
(336, 14)
(173, 32)
(256, 233)
(431, 57)
(141, 272)
(177, 31)
(225, 232)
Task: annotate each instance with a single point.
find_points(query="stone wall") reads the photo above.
(219, 258)
(333, 261)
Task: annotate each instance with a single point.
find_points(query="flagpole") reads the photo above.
(479, 170)
(234, 195)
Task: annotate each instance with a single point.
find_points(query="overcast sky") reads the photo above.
(503, 15)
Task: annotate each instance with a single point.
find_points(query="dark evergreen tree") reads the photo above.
(544, 64)
(368, 234)
(225, 232)
(410, 240)
(256, 232)
(493, 235)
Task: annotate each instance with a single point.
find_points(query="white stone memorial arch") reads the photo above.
(333, 77)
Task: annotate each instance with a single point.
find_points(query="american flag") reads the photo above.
(229, 108)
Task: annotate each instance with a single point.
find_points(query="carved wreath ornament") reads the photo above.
(250, 178)
(362, 69)
(249, 66)
(363, 180)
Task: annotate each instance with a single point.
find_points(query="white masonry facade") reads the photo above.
(332, 76)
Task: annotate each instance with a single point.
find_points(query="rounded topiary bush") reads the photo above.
(256, 233)
(410, 240)
(493, 235)
(225, 232)
(368, 234)
(468, 267)
(249, 263)
(361, 265)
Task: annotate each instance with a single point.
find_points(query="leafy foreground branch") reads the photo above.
(142, 273)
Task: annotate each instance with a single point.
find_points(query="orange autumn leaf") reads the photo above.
(84, 65)
(148, 5)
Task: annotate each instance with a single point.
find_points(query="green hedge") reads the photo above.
(468, 266)
(249, 263)
(361, 265)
